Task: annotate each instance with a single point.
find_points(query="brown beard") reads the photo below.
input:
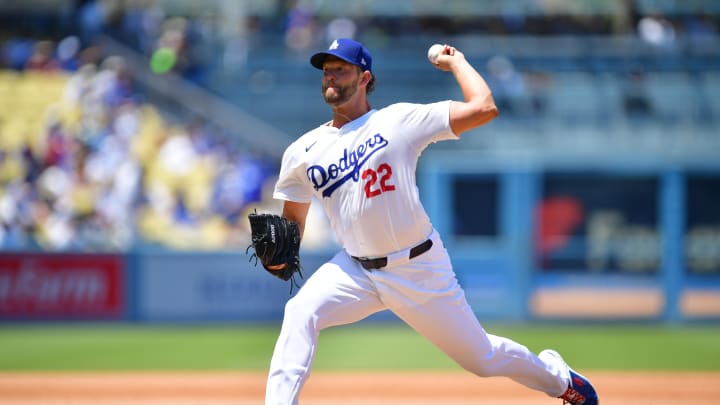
(342, 95)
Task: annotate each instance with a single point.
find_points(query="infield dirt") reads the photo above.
(347, 388)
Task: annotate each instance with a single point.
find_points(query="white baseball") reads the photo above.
(434, 52)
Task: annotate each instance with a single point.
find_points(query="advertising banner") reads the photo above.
(211, 286)
(598, 223)
(61, 286)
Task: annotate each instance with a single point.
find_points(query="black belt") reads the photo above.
(380, 262)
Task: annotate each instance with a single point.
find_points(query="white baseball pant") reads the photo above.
(425, 294)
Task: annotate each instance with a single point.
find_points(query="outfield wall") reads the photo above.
(168, 287)
(534, 240)
(542, 237)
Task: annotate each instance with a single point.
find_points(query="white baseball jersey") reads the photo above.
(364, 174)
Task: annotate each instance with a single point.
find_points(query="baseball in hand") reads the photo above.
(434, 51)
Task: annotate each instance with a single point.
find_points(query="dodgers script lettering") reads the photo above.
(347, 167)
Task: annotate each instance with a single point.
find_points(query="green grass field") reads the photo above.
(32, 347)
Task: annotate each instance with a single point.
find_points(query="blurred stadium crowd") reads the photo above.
(87, 162)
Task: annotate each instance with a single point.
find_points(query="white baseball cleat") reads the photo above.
(580, 391)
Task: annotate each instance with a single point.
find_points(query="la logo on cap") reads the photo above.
(363, 61)
(334, 45)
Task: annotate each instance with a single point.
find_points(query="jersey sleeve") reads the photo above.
(426, 123)
(292, 182)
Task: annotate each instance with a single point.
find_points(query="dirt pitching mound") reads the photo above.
(346, 388)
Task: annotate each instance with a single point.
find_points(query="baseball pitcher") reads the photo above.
(361, 166)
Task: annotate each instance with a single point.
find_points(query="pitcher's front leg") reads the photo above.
(337, 293)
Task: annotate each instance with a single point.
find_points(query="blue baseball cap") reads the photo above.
(348, 50)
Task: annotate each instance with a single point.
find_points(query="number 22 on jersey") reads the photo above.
(377, 181)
